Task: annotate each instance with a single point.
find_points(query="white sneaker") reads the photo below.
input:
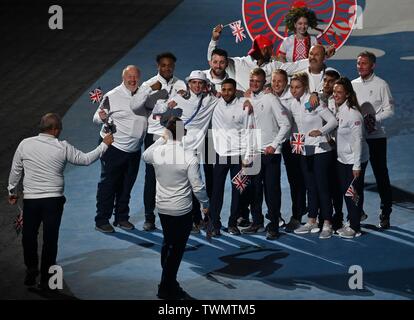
(349, 233)
(344, 226)
(306, 228)
(327, 232)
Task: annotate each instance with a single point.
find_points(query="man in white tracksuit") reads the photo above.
(272, 129)
(233, 145)
(119, 165)
(377, 105)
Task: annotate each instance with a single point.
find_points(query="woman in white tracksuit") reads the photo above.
(353, 154)
(316, 156)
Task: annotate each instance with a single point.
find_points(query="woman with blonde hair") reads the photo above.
(312, 142)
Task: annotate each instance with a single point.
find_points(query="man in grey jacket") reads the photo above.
(42, 159)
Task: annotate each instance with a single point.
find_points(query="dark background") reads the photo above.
(44, 70)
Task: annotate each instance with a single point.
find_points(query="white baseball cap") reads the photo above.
(196, 74)
(332, 69)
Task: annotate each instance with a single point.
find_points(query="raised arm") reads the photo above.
(100, 114)
(80, 158)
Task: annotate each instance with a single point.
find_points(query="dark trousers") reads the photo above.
(316, 172)
(245, 200)
(49, 212)
(176, 230)
(268, 180)
(345, 177)
(221, 168)
(335, 185)
(296, 181)
(209, 156)
(119, 171)
(149, 184)
(378, 159)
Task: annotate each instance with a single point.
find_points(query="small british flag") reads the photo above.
(352, 193)
(18, 222)
(241, 181)
(298, 143)
(96, 95)
(237, 30)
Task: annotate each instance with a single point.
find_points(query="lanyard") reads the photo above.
(196, 111)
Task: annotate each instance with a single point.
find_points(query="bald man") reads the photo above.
(316, 70)
(119, 165)
(42, 159)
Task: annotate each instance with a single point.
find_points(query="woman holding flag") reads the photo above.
(312, 142)
(353, 154)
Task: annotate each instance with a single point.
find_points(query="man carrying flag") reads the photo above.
(260, 55)
(119, 165)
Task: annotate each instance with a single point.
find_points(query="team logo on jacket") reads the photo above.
(267, 17)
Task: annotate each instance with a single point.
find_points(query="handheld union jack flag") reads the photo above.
(96, 95)
(352, 193)
(241, 181)
(18, 222)
(298, 143)
(237, 30)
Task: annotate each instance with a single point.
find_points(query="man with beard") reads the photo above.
(230, 126)
(260, 55)
(120, 163)
(316, 70)
(161, 86)
(217, 73)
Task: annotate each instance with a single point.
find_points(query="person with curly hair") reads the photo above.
(297, 46)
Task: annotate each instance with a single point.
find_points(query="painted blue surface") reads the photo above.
(125, 265)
